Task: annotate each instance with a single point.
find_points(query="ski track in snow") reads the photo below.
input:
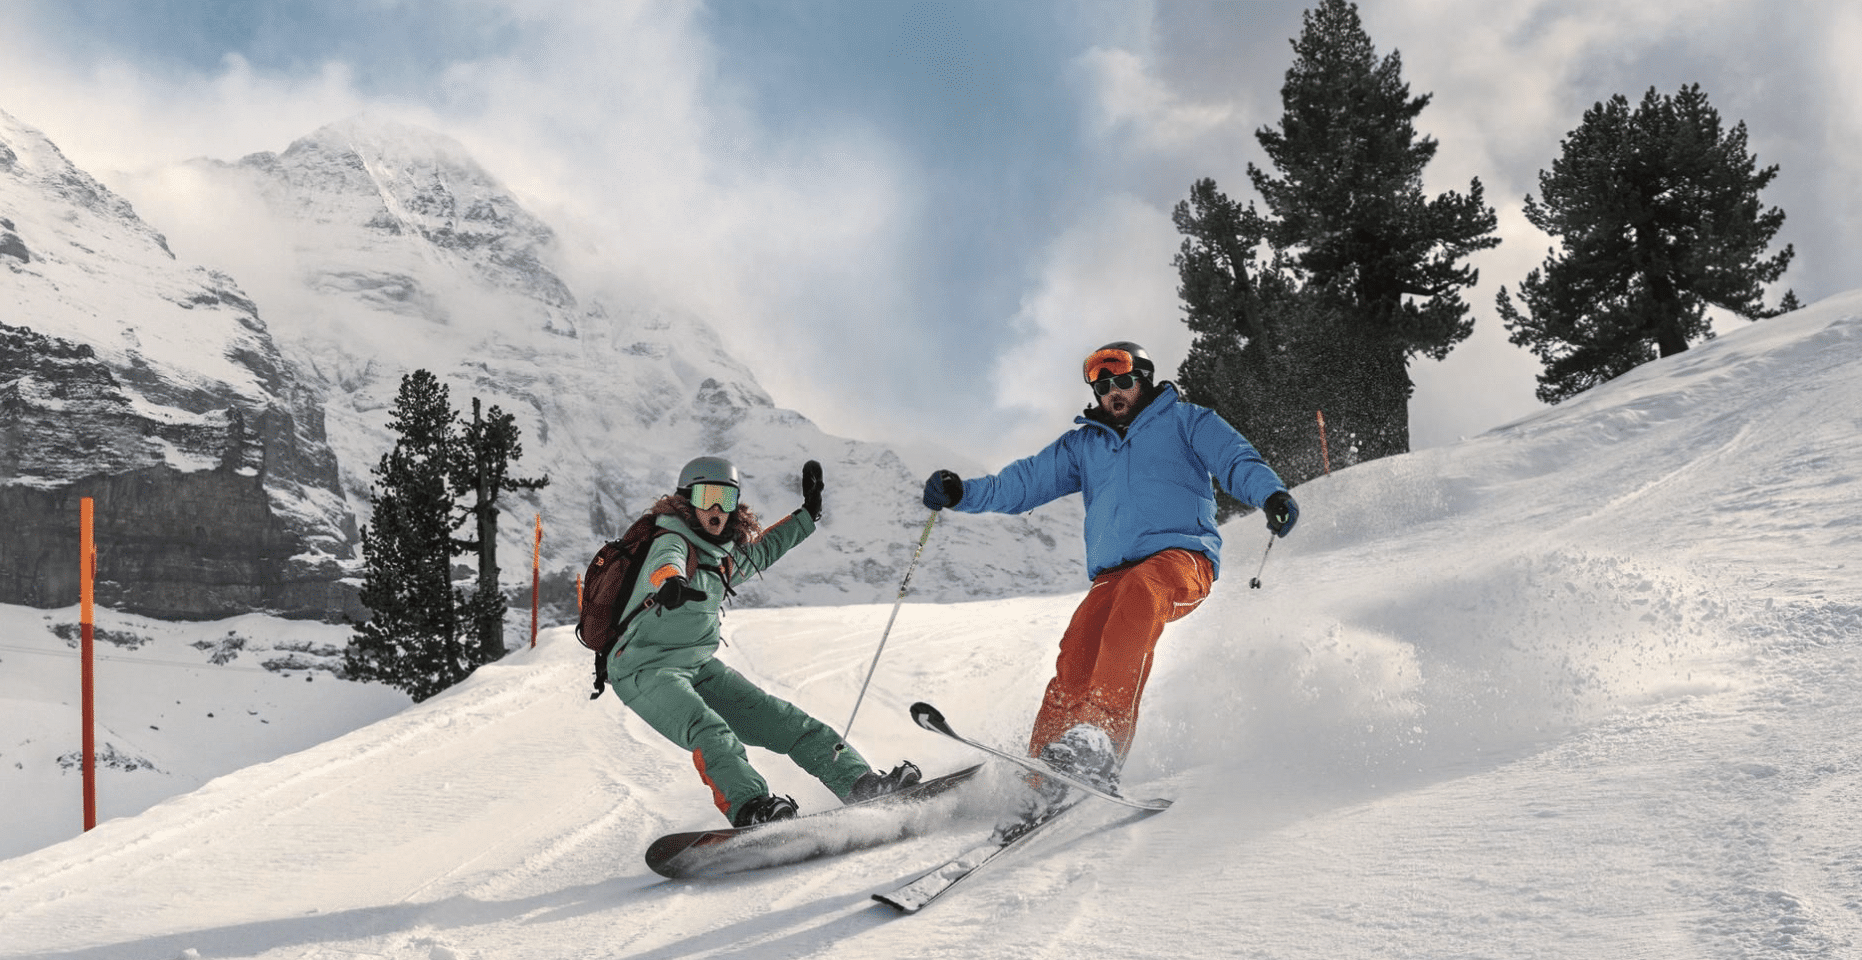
(1586, 686)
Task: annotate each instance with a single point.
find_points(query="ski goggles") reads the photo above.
(1124, 381)
(704, 496)
(1105, 363)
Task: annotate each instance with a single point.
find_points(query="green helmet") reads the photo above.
(709, 470)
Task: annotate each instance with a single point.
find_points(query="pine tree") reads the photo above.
(412, 638)
(1251, 326)
(1658, 215)
(1380, 263)
(480, 470)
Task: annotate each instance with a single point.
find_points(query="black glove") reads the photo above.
(676, 591)
(811, 489)
(943, 489)
(1282, 513)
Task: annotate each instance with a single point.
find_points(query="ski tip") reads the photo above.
(927, 716)
(894, 904)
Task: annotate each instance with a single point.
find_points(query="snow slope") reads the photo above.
(178, 704)
(1585, 686)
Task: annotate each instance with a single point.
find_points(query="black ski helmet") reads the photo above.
(709, 470)
(1119, 356)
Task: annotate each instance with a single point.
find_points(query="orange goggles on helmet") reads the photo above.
(1108, 363)
(720, 495)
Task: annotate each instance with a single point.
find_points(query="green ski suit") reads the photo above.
(665, 669)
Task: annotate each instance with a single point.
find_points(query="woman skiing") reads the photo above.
(665, 666)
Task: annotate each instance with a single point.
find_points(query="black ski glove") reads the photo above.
(1282, 513)
(943, 489)
(811, 490)
(676, 591)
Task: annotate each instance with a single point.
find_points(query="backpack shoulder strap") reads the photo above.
(620, 626)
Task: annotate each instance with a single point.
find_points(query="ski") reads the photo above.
(727, 850)
(919, 893)
(929, 717)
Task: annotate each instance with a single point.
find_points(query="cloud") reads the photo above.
(1508, 82)
(1108, 277)
(658, 170)
(614, 122)
(860, 195)
(1125, 95)
(117, 116)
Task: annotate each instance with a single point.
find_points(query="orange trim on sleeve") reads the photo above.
(663, 574)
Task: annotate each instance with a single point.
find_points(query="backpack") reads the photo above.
(610, 580)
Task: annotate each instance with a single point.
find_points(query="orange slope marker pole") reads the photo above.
(1323, 452)
(536, 579)
(87, 574)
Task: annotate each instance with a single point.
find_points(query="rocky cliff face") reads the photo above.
(171, 544)
(156, 389)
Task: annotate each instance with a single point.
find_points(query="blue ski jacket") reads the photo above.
(1146, 491)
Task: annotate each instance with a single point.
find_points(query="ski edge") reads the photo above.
(909, 898)
(932, 719)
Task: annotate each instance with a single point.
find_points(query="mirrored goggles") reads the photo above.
(1124, 381)
(720, 495)
(1106, 363)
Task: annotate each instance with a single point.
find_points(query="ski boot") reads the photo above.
(872, 784)
(1084, 751)
(764, 809)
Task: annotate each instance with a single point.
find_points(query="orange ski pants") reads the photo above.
(1105, 655)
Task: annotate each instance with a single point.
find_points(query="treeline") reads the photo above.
(1321, 300)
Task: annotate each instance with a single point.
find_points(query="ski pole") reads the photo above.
(1255, 584)
(913, 565)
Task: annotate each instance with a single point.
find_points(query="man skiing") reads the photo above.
(1142, 458)
(665, 667)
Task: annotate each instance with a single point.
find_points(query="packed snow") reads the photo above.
(1584, 686)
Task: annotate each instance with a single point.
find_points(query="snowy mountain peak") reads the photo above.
(390, 144)
(30, 160)
(415, 193)
(374, 248)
